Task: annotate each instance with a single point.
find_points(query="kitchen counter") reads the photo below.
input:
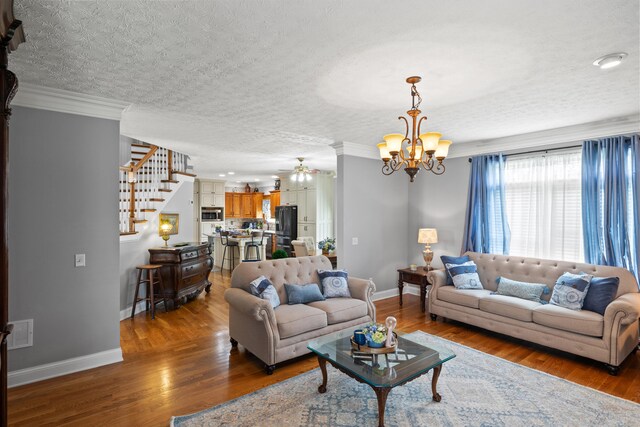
(218, 249)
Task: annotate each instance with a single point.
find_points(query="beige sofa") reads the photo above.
(609, 338)
(275, 335)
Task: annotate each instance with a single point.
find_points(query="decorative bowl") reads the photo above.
(374, 344)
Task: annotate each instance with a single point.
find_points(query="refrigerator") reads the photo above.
(286, 227)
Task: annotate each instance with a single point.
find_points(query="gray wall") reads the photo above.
(63, 200)
(136, 252)
(373, 208)
(439, 202)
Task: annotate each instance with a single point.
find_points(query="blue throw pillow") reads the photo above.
(263, 288)
(455, 261)
(570, 290)
(465, 276)
(524, 290)
(302, 294)
(602, 290)
(334, 283)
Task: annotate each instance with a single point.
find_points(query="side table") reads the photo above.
(417, 277)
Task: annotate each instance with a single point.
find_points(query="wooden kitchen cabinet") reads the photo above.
(246, 206)
(257, 205)
(243, 205)
(275, 201)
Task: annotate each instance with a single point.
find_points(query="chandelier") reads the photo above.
(423, 149)
(301, 172)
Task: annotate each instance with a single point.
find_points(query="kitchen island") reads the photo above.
(218, 249)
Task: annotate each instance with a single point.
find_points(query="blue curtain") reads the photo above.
(486, 229)
(611, 202)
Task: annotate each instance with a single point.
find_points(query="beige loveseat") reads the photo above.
(609, 338)
(275, 335)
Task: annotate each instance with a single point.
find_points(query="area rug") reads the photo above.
(477, 390)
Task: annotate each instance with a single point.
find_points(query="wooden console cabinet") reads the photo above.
(185, 271)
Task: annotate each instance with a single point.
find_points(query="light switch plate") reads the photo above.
(80, 260)
(354, 241)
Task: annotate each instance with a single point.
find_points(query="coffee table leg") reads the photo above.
(434, 382)
(323, 367)
(381, 394)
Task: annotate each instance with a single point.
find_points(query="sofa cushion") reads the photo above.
(466, 297)
(602, 290)
(341, 309)
(512, 307)
(302, 294)
(524, 290)
(457, 260)
(298, 319)
(578, 321)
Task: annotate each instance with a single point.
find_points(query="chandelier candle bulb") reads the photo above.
(394, 143)
(384, 151)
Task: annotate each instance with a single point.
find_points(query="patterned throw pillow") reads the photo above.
(302, 294)
(524, 290)
(263, 288)
(602, 290)
(465, 276)
(454, 260)
(334, 283)
(570, 290)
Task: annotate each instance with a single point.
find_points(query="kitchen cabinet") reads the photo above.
(307, 204)
(257, 205)
(308, 229)
(246, 207)
(215, 187)
(212, 200)
(275, 201)
(211, 194)
(243, 205)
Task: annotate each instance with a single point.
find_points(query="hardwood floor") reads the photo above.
(182, 362)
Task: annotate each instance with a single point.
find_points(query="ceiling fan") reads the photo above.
(301, 172)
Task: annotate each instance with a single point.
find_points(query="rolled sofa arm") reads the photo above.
(627, 305)
(437, 278)
(363, 290)
(250, 305)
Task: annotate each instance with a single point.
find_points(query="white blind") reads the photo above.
(544, 209)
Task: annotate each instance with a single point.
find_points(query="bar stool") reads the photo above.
(256, 245)
(224, 239)
(150, 281)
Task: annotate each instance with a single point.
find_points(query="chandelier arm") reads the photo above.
(439, 169)
(427, 164)
(406, 125)
(387, 169)
(419, 123)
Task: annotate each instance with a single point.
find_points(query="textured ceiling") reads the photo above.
(250, 85)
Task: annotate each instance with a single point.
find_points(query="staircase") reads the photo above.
(146, 184)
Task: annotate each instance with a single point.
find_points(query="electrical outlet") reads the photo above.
(80, 260)
(354, 241)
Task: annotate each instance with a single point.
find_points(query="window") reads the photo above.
(543, 201)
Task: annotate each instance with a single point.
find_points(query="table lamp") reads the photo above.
(165, 231)
(427, 236)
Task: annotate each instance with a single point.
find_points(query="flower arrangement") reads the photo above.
(376, 333)
(327, 244)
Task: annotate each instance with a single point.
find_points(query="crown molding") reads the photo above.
(548, 138)
(345, 148)
(65, 101)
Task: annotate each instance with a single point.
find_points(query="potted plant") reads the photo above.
(280, 253)
(327, 245)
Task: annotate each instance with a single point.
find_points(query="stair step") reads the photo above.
(142, 153)
(185, 173)
(148, 210)
(134, 144)
(140, 221)
(170, 181)
(153, 199)
(137, 182)
(165, 190)
(128, 233)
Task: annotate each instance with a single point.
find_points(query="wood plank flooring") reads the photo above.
(182, 363)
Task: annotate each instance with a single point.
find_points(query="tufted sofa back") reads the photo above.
(293, 271)
(535, 270)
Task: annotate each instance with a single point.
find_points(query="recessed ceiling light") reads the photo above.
(609, 61)
(223, 175)
(275, 176)
(256, 180)
(231, 173)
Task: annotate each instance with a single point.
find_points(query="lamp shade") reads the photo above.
(430, 140)
(384, 151)
(394, 142)
(417, 154)
(427, 235)
(443, 149)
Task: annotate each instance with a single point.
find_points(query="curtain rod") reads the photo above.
(539, 151)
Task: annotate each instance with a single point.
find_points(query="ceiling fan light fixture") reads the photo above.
(611, 60)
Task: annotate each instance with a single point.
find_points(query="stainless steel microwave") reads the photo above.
(212, 214)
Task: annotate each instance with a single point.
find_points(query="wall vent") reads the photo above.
(22, 335)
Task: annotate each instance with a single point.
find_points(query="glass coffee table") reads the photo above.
(380, 371)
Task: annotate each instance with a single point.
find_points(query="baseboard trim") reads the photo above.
(126, 313)
(64, 367)
(390, 293)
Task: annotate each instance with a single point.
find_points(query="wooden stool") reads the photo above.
(151, 269)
